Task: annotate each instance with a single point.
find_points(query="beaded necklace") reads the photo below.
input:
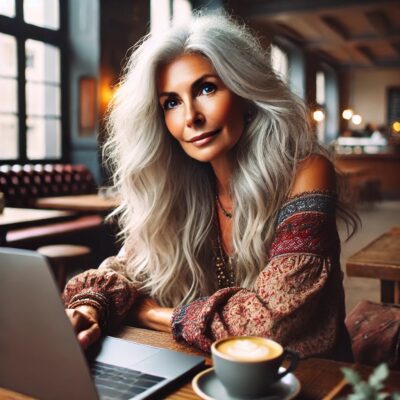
(223, 263)
(225, 212)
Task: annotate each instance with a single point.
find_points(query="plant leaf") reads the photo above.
(351, 376)
(382, 396)
(357, 396)
(364, 389)
(380, 373)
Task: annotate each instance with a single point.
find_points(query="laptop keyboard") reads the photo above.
(117, 383)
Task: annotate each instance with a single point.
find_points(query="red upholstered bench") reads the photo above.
(23, 184)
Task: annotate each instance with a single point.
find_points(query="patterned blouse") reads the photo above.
(298, 298)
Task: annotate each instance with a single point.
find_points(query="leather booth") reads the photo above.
(23, 184)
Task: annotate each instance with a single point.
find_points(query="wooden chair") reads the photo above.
(64, 258)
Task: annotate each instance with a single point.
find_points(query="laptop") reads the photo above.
(40, 356)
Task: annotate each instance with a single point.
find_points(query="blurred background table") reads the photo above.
(81, 203)
(13, 217)
(380, 259)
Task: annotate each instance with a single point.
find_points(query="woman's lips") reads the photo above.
(204, 138)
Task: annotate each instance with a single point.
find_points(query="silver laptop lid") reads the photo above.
(45, 363)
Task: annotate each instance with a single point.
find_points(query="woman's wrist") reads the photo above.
(160, 318)
(89, 310)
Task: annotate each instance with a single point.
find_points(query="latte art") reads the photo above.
(249, 349)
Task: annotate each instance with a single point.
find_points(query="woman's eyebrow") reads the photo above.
(197, 82)
(194, 85)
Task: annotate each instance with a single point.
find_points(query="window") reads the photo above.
(163, 12)
(32, 48)
(280, 62)
(181, 11)
(320, 99)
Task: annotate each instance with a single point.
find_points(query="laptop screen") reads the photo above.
(40, 355)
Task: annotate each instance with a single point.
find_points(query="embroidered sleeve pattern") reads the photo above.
(298, 297)
(107, 289)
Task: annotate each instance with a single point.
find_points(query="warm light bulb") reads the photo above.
(318, 115)
(347, 114)
(396, 126)
(356, 119)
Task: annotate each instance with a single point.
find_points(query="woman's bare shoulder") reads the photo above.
(315, 173)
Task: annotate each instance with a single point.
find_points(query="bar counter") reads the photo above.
(382, 167)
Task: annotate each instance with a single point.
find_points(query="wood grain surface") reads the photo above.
(83, 203)
(319, 378)
(380, 259)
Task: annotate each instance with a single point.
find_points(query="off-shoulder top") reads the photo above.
(298, 298)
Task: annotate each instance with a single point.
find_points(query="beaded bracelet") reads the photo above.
(95, 300)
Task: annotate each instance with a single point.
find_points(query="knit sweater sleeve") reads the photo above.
(107, 288)
(298, 297)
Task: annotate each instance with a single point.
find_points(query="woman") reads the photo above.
(227, 202)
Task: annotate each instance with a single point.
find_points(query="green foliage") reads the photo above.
(372, 389)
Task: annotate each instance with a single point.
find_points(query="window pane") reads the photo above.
(8, 55)
(280, 62)
(8, 98)
(159, 16)
(9, 137)
(43, 138)
(181, 11)
(7, 8)
(320, 88)
(43, 13)
(42, 99)
(321, 131)
(42, 62)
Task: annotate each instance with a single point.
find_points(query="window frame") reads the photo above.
(296, 78)
(321, 105)
(22, 31)
(331, 103)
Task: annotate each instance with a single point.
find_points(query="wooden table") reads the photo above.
(380, 260)
(13, 218)
(319, 378)
(83, 203)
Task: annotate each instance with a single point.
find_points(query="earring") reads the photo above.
(249, 116)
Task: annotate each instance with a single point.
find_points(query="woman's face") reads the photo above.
(200, 112)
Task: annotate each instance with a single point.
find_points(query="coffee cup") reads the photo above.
(248, 365)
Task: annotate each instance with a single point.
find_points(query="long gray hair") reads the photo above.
(168, 199)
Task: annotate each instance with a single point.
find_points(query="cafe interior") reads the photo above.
(60, 62)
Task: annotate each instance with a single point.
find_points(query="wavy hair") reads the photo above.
(167, 210)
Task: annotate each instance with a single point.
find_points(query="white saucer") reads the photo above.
(208, 387)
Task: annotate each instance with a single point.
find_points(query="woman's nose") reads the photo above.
(194, 116)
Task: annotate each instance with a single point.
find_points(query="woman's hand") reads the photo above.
(149, 314)
(85, 321)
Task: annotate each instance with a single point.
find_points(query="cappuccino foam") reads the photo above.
(250, 349)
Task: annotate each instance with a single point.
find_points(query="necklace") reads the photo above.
(226, 213)
(223, 263)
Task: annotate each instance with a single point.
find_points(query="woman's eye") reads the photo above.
(169, 104)
(208, 88)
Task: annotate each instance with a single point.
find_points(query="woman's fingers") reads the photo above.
(85, 326)
(78, 320)
(89, 336)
